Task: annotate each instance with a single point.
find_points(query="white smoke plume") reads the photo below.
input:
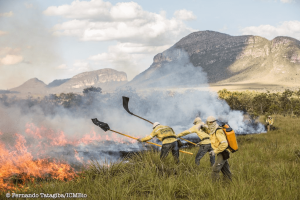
(174, 94)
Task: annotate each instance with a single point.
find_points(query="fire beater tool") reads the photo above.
(125, 105)
(105, 127)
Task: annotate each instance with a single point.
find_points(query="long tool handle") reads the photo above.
(142, 118)
(188, 141)
(148, 142)
(125, 105)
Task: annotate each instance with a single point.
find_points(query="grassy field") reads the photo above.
(267, 166)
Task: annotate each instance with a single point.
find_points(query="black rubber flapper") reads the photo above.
(125, 104)
(102, 125)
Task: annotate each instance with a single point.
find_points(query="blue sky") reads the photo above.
(60, 38)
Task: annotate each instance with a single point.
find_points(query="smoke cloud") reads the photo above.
(61, 124)
(28, 49)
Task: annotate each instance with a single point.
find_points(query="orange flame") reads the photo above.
(18, 160)
(21, 162)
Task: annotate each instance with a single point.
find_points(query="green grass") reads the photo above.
(267, 166)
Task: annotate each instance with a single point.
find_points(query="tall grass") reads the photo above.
(267, 166)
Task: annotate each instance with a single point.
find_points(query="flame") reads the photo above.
(20, 162)
(28, 160)
(80, 159)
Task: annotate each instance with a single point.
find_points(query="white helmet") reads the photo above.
(211, 119)
(155, 124)
(196, 120)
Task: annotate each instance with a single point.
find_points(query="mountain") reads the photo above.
(107, 79)
(57, 82)
(225, 59)
(32, 86)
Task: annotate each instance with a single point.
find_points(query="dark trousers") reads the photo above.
(269, 127)
(170, 146)
(204, 148)
(221, 165)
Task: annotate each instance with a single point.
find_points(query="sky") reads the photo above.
(58, 39)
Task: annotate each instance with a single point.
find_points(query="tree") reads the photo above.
(92, 89)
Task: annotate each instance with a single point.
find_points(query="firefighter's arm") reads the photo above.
(271, 123)
(186, 132)
(204, 128)
(149, 137)
(223, 141)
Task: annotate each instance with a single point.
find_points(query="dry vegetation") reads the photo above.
(265, 167)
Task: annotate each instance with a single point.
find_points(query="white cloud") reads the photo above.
(185, 15)
(287, 28)
(287, 1)
(94, 9)
(128, 57)
(80, 66)
(9, 14)
(11, 59)
(62, 66)
(3, 33)
(8, 50)
(139, 34)
(124, 22)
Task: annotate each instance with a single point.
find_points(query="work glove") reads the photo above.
(212, 153)
(139, 140)
(198, 144)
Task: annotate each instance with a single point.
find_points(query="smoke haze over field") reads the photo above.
(64, 122)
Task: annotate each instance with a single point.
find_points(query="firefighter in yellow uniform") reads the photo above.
(219, 144)
(168, 138)
(269, 122)
(205, 144)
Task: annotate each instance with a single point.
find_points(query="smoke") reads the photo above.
(60, 126)
(28, 49)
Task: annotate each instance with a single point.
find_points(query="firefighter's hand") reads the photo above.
(198, 144)
(139, 140)
(212, 153)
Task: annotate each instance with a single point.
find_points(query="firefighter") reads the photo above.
(168, 138)
(219, 144)
(204, 143)
(269, 122)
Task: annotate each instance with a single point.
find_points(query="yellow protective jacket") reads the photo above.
(269, 121)
(218, 140)
(162, 132)
(204, 137)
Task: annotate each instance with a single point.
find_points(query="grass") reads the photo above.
(267, 166)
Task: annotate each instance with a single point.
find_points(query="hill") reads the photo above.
(226, 59)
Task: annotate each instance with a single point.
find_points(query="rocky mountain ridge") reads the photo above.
(229, 59)
(107, 79)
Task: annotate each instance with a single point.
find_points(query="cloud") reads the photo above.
(130, 58)
(3, 33)
(94, 9)
(124, 22)
(139, 34)
(287, 28)
(8, 50)
(62, 66)
(11, 59)
(9, 14)
(28, 5)
(80, 66)
(185, 15)
(287, 1)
